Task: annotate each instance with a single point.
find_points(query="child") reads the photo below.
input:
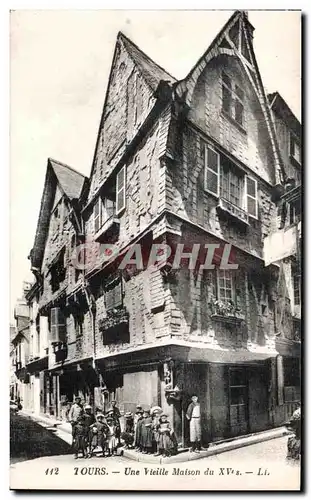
(155, 431)
(167, 444)
(146, 432)
(100, 430)
(80, 443)
(139, 421)
(89, 420)
(128, 434)
(112, 440)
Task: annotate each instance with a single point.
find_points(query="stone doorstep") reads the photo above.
(214, 449)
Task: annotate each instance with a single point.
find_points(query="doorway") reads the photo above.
(238, 401)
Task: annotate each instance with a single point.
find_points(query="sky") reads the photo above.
(60, 62)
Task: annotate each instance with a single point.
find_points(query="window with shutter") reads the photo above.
(120, 191)
(231, 185)
(97, 214)
(58, 325)
(251, 197)
(294, 148)
(212, 168)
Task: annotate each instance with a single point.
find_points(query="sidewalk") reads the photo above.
(63, 430)
(214, 448)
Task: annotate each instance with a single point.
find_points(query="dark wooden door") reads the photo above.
(238, 401)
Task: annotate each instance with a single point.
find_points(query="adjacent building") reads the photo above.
(284, 247)
(195, 162)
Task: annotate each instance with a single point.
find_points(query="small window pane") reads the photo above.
(251, 187)
(239, 111)
(226, 100)
(212, 182)
(251, 206)
(239, 92)
(212, 160)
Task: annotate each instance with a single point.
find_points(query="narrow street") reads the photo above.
(37, 453)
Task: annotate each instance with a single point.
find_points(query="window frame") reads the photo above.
(293, 139)
(255, 198)
(118, 190)
(241, 188)
(296, 283)
(98, 203)
(233, 295)
(111, 287)
(234, 96)
(206, 168)
(220, 176)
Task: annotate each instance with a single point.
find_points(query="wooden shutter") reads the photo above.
(212, 171)
(97, 215)
(58, 325)
(120, 194)
(251, 197)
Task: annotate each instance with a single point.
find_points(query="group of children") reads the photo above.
(148, 431)
(91, 432)
(153, 432)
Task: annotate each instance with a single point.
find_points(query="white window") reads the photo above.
(251, 197)
(294, 148)
(120, 194)
(103, 211)
(98, 214)
(232, 99)
(212, 171)
(231, 186)
(224, 285)
(223, 179)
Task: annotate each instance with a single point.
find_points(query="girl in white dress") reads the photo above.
(112, 440)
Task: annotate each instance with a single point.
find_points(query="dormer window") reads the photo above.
(294, 149)
(232, 100)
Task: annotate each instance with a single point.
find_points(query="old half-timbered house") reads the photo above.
(195, 162)
(283, 247)
(191, 161)
(62, 345)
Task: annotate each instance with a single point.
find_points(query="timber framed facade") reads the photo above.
(201, 160)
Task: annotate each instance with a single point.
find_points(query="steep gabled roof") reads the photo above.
(225, 42)
(280, 106)
(150, 70)
(70, 180)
